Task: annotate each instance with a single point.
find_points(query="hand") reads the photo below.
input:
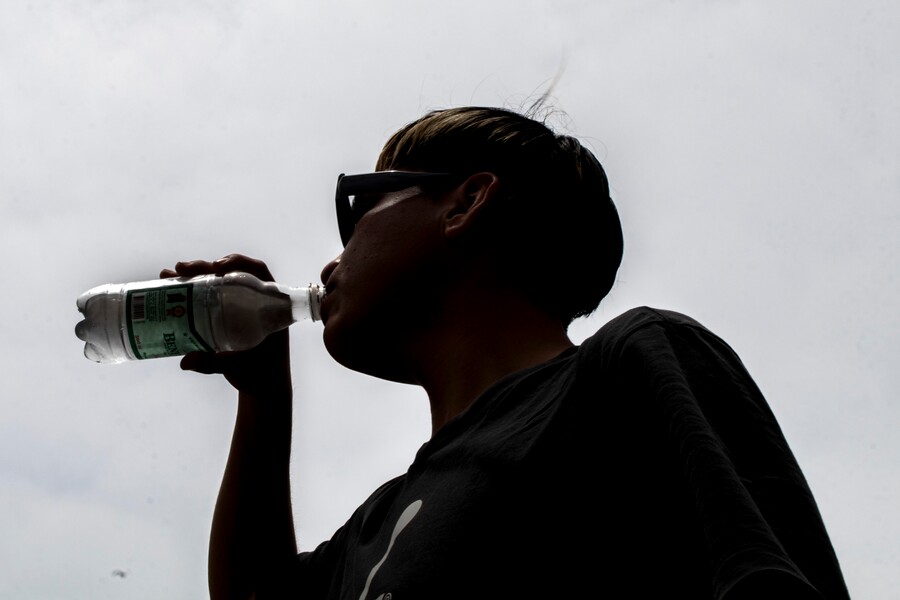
(261, 371)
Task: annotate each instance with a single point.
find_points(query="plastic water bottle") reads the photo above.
(171, 317)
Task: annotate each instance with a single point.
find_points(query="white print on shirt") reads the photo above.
(408, 514)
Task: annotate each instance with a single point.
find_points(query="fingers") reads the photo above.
(188, 268)
(192, 268)
(239, 262)
(226, 264)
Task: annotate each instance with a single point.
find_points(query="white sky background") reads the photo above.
(753, 153)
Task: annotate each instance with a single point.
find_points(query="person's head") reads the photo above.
(552, 229)
(518, 211)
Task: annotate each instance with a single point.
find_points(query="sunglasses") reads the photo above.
(356, 194)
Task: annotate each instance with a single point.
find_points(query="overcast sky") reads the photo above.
(753, 150)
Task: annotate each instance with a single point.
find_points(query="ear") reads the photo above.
(468, 203)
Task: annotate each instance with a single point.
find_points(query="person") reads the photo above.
(643, 462)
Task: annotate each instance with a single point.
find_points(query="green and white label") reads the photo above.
(161, 322)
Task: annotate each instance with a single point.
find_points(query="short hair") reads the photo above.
(556, 232)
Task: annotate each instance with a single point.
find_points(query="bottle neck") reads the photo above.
(305, 301)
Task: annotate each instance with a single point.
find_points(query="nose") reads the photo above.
(328, 269)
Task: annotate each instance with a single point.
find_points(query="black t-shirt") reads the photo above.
(644, 463)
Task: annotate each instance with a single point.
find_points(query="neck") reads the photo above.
(475, 346)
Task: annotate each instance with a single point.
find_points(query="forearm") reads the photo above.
(252, 537)
(253, 529)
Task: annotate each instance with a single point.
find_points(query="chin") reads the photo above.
(366, 351)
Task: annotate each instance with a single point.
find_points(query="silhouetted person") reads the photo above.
(642, 463)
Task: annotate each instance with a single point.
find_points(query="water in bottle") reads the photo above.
(171, 317)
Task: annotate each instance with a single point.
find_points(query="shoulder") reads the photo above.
(645, 316)
(645, 321)
(657, 334)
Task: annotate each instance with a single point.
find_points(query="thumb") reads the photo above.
(200, 362)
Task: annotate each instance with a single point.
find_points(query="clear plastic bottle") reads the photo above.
(171, 317)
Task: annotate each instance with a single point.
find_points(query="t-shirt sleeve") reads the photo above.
(760, 523)
(318, 572)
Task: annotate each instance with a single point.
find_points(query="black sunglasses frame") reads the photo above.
(379, 182)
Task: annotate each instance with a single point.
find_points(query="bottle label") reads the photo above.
(161, 322)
